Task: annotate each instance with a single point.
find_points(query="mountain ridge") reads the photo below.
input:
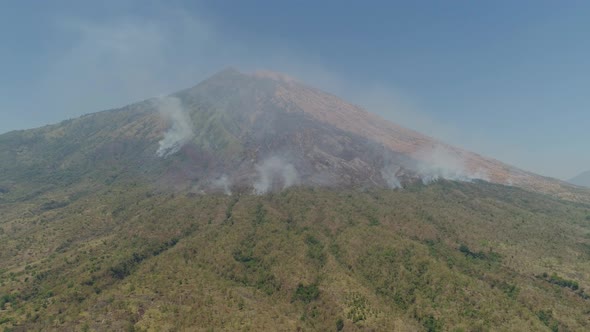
(238, 120)
(293, 95)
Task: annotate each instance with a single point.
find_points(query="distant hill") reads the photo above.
(582, 179)
(252, 202)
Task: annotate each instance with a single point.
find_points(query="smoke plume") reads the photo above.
(180, 131)
(223, 183)
(443, 163)
(274, 172)
(389, 175)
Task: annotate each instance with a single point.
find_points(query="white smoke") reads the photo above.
(223, 183)
(272, 172)
(509, 182)
(181, 129)
(389, 175)
(442, 163)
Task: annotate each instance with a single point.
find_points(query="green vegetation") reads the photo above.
(562, 282)
(307, 293)
(358, 308)
(124, 268)
(315, 250)
(432, 324)
(7, 298)
(491, 256)
(450, 256)
(547, 318)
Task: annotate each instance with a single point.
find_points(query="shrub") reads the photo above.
(124, 268)
(6, 299)
(373, 221)
(260, 214)
(491, 256)
(52, 205)
(315, 250)
(432, 324)
(306, 293)
(545, 316)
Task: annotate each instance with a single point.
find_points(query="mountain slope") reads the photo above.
(253, 202)
(246, 129)
(329, 109)
(447, 256)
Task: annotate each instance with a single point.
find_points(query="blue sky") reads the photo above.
(506, 79)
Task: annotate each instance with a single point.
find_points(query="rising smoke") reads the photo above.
(442, 163)
(180, 131)
(274, 172)
(223, 183)
(389, 174)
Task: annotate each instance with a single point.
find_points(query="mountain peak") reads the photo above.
(232, 73)
(278, 111)
(225, 74)
(263, 131)
(275, 76)
(228, 71)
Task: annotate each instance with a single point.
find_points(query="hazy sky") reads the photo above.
(507, 79)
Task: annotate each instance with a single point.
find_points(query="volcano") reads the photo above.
(252, 202)
(253, 132)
